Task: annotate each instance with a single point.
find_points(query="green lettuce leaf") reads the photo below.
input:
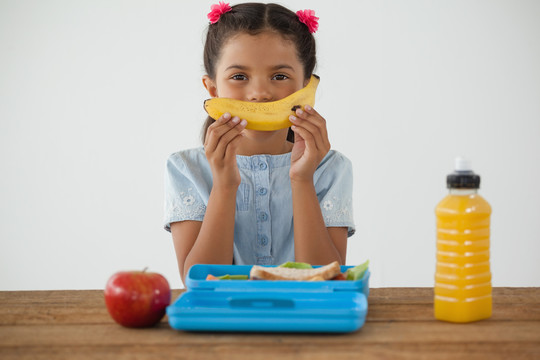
(296, 265)
(233, 277)
(357, 272)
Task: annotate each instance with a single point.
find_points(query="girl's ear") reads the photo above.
(209, 85)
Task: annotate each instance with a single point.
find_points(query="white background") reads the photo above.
(94, 96)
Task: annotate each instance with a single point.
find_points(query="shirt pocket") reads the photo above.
(243, 197)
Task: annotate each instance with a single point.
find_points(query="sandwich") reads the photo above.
(327, 272)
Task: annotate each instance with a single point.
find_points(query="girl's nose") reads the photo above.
(259, 92)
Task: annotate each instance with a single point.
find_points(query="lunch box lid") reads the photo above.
(268, 311)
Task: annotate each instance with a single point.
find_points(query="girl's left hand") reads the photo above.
(311, 143)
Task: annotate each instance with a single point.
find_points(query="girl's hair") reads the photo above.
(253, 19)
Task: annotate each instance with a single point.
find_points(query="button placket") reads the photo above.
(262, 208)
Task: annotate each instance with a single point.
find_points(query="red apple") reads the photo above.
(137, 298)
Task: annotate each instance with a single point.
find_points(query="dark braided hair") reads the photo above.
(253, 19)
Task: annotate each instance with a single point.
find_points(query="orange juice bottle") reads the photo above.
(463, 275)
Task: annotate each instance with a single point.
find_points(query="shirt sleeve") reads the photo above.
(335, 185)
(182, 198)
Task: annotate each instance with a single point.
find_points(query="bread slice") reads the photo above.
(322, 273)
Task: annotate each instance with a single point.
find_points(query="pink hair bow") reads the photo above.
(217, 10)
(308, 17)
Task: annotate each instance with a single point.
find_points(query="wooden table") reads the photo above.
(399, 325)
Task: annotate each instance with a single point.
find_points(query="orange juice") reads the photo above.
(463, 276)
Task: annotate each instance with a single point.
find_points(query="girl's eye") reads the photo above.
(280, 77)
(238, 77)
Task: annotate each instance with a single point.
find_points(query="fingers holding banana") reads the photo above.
(311, 126)
(311, 143)
(220, 147)
(223, 133)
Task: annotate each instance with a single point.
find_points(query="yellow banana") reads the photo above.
(265, 116)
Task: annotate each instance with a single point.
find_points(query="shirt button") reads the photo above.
(263, 216)
(263, 240)
(262, 191)
(263, 166)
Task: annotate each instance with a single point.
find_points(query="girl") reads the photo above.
(233, 200)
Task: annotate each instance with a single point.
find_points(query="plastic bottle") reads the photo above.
(463, 275)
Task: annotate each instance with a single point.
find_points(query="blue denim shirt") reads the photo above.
(263, 231)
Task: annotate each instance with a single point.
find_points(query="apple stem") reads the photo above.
(144, 270)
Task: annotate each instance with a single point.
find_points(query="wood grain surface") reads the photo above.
(399, 325)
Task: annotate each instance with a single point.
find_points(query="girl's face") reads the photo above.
(257, 68)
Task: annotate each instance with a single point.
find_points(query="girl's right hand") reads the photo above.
(220, 147)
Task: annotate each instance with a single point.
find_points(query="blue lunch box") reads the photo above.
(331, 306)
